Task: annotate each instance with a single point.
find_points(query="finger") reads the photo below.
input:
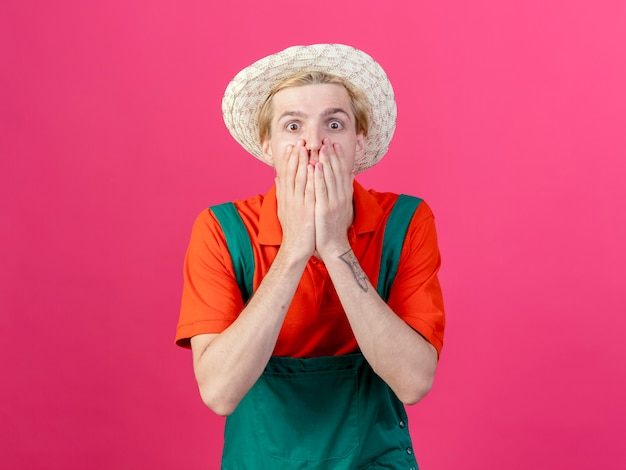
(278, 189)
(309, 192)
(328, 160)
(343, 171)
(283, 170)
(301, 170)
(321, 189)
(340, 162)
(295, 168)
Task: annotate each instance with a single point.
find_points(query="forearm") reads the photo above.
(228, 365)
(396, 352)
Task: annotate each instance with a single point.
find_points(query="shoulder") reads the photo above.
(249, 210)
(388, 200)
(206, 230)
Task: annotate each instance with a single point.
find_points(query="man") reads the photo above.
(314, 367)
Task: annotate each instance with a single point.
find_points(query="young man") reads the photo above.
(314, 359)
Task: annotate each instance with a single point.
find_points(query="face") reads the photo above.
(312, 113)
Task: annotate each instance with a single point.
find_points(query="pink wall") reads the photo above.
(511, 124)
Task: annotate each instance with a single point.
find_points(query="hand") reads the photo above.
(295, 194)
(333, 201)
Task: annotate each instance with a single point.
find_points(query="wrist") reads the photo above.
(334, 252)
(291, 258)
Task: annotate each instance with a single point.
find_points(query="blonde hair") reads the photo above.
(358, 101)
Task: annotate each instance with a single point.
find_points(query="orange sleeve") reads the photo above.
(415, 295)
(211, 299)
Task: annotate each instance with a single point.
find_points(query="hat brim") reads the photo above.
(247, 92)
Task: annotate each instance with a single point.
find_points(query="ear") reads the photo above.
(360, 146)
(267, 151)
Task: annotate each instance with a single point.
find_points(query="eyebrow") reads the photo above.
(330, 111)
(327, 112)
(292, 114)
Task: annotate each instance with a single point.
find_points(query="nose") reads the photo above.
(314, 143)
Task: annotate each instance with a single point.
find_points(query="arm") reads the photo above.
(396, 352)
(227, 365)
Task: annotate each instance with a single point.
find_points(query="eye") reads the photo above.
(293, 126)
(335, 125)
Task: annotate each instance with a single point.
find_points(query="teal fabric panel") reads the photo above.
(321, 413)
(393, 240)
(239, 246)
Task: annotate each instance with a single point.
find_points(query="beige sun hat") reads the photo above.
(247, 92)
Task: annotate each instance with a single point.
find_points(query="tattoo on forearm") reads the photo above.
(359, 275)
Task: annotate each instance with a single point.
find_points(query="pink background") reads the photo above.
(511, 125)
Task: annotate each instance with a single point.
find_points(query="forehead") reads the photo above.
(312, 97)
